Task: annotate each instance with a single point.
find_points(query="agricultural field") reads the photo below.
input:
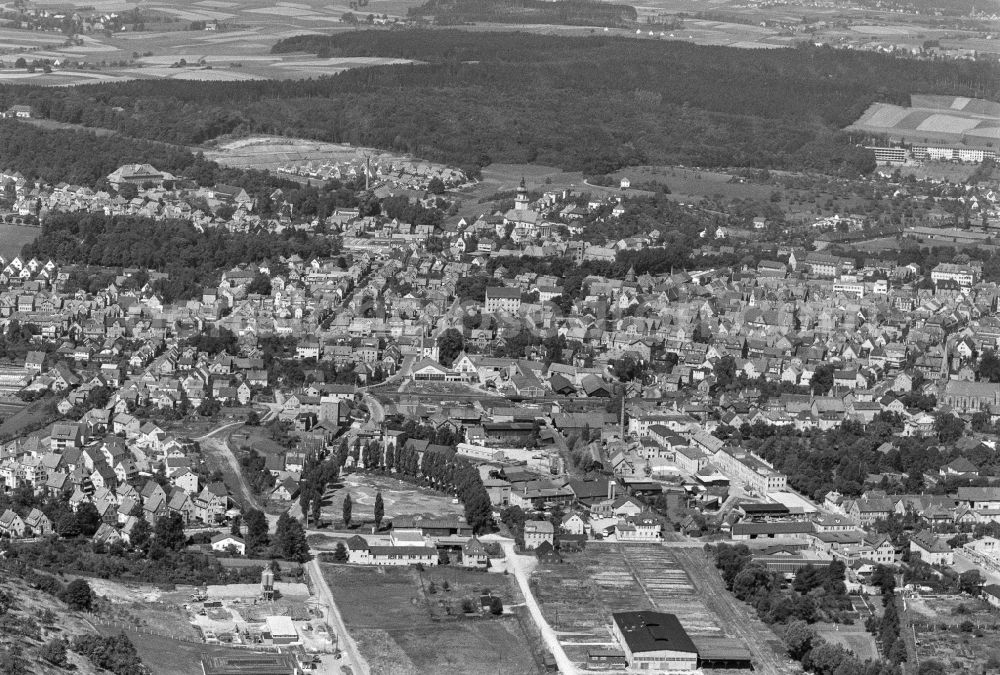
(404, 628)
(14, 237)
(579, 596)
(958, 631)
(398, 497)
(935, 119)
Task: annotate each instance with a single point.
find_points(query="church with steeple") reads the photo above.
(526, 221)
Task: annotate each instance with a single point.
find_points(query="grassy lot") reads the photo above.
(14, 237)
(30, 418)
(399, 499)
(257, 438)
(171, 657)
(854, 638)
(403, 628)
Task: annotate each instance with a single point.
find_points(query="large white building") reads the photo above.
(501, 298)
(963, 275)
(654, 642)
(752, 471)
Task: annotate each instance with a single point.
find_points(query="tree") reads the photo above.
(949, 428)
(379, 510)
(54, 651)
(139, 537)
(169, 532)
(989, 366)
(822, 379)
(291, 539)
(78, 595)
(317, 507)
(496, 606)
(348, 506)
(88, 520)
(340, 553)
(799, 638)
(435, 186)
(209, 407)
(256, 525)
(970, 582)
(450, 344)
(67, 526)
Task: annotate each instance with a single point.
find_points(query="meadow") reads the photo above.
(403, 627)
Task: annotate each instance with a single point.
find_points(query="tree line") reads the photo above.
(647, 101)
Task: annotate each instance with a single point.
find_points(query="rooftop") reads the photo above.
(653, 631)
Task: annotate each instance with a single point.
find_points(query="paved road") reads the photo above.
(737, 618)
(516, 563)
(349, 648)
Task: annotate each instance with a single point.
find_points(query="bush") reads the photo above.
(54, 651)
(115, 653)
(78, 595)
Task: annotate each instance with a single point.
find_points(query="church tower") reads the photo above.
(521, 201)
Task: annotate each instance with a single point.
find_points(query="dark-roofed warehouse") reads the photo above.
(654, 641)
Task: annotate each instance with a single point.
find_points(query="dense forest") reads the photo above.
(191, 258)
(583, 103)
(83, 157)
(561, 12)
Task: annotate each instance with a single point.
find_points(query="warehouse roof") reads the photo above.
(652, 632)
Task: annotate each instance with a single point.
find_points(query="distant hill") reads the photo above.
(559, 12)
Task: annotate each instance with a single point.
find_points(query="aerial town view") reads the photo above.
(460, 337)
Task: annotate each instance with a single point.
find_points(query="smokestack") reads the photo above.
(611, 490)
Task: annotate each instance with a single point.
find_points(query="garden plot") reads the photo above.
(958, 631)
(579, 597)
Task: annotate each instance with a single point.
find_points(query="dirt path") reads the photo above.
(218, 446)
(351, 654)
(566, 666)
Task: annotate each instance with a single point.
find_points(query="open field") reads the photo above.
(171, 657)
(273, 152)
(960, 632)
(398, 497)
(31, 417)
(14, 237)
(403, 628)
(935, 119)
(579, 597)
(855, 638)
(939, 170)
